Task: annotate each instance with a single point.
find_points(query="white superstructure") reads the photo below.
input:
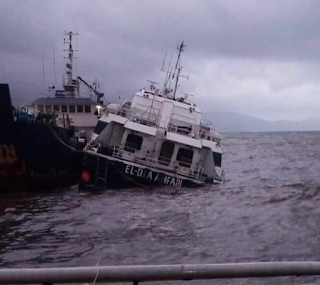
(160, 131)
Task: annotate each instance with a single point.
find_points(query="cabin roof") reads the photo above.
(64, 101)
(160, 98)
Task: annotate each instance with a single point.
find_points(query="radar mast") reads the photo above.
(71, 86)
(174, 74)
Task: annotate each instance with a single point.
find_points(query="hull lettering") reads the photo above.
(149, 175)
(127, 170)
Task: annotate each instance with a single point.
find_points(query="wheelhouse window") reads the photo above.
(184, 157)
(48, 108)
(87, 109)
(72, 108)
(56, 108)
(64, 108)
(100, 127)
(79, 109)
(217, 157)
(40, 107)
(133, 143)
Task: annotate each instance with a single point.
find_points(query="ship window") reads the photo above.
(217, 157)
(79, 109)
(56, 108)
(166, 153)
(87, 108)
(184, 157)
(72, 108)
(64, 108)
(40, 107)
(100, 127)
(133, 143)
(48, 108)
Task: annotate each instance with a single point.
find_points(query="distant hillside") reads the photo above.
(233, 122)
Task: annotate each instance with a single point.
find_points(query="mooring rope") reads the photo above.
(97, 274)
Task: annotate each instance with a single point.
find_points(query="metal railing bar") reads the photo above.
(158, 272)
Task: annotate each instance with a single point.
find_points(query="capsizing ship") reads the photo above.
(157, 138)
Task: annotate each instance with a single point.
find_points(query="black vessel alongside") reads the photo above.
(40, 145)
(34, 152)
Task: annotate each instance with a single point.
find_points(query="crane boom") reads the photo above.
(98, 94)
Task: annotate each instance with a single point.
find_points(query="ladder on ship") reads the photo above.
(101, 173)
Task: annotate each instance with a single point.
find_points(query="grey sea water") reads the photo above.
(268, 210)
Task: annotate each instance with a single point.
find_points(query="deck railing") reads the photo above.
(193, 130)
(149, 117)
(183, 128)
(161, 163)
(209, 134)
(152, 273)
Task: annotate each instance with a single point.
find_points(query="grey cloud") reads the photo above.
(122, 43)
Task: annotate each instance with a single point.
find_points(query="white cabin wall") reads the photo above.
(117, 134)
(167, 109)
(158, 141)
(208, 163)
(157, 147)
(183, 114)
(124, 136)
(83, 119)
(196, 156)
(147, 143)
(143, 103)
(211, 144)
(175, 152)
(166, 113)
(142, 106)
(106, 134)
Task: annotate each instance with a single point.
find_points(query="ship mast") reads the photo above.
(71, 85)
(173, 74)
(178, 68)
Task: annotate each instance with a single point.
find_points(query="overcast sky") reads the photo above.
(255, 57)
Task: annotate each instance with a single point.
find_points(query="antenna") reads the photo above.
(174, 74)
(72, 84)
(43, 74)
(54, 64)
(152, 85)
(69, 64)
(165, 56)
(178, 68)
(75, 24)
(167, 76)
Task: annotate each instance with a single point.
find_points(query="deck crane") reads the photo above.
(99, 95)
